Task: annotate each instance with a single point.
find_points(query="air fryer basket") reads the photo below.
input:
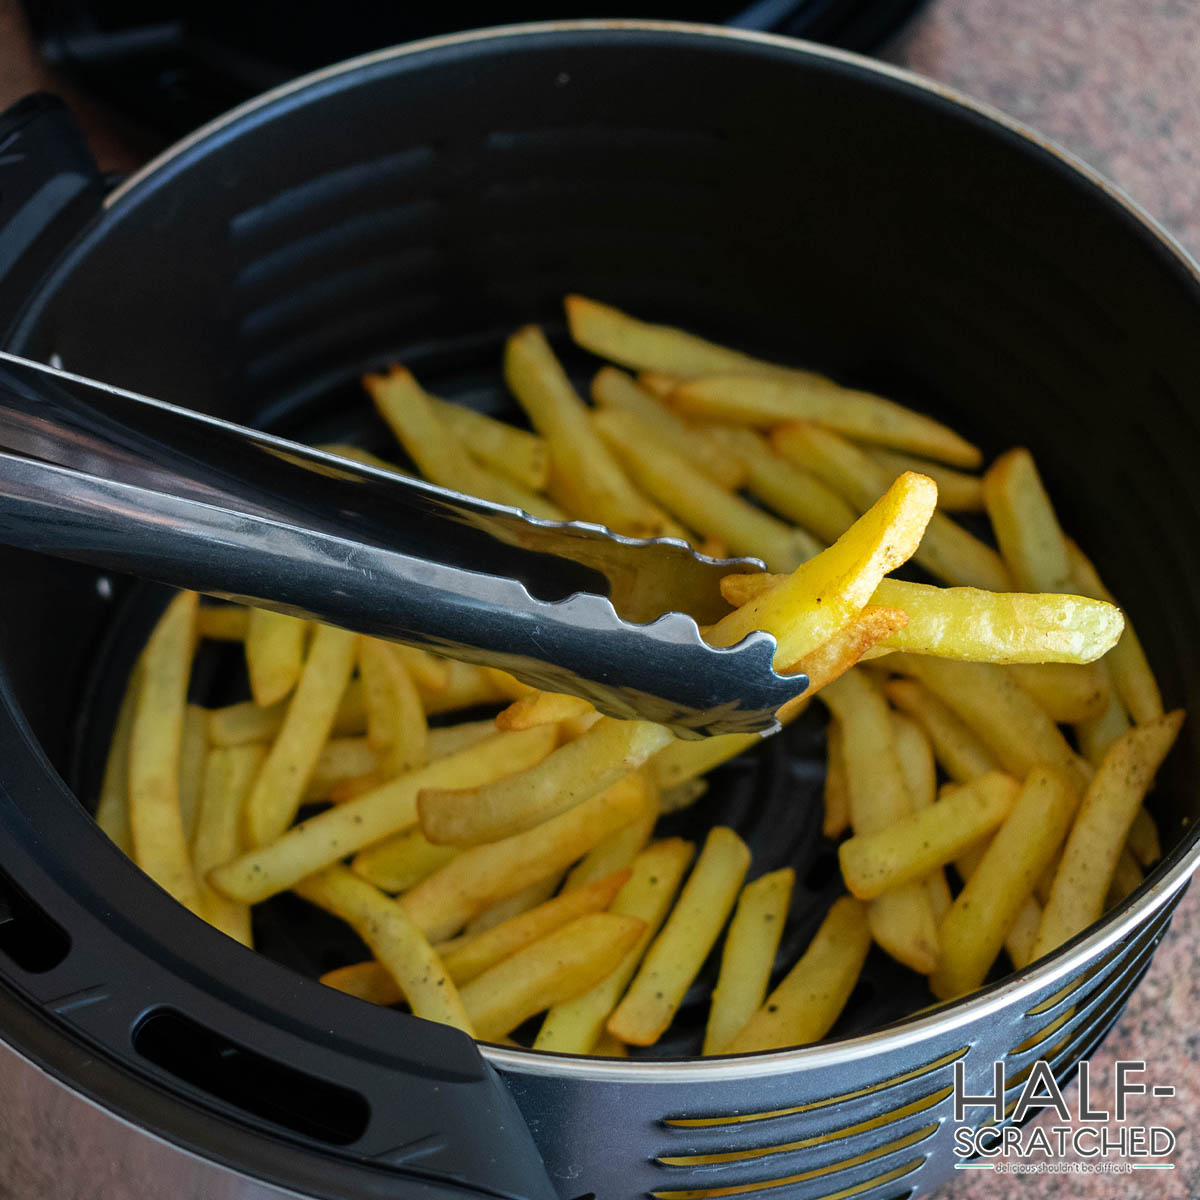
(417, 205)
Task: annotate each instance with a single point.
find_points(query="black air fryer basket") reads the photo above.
(417, 205)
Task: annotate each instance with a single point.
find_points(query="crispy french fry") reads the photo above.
(112, 808)
(394, 940)
(1069, 692)
(222, 622)
(1143, 839)
(621, 847)
(1131, 675)
(575, 1026)
(430, 673)
(916, 761)
(556, 968)
(445, 901)
(987, 908)
(1095, 734)
(845, 648)
(636, 344)
(517, 453)
(237, 724)
(396, 726)
(811, 996)
(274, 654)
(819, 598)
(193, 753)
(957, 490)
(661, 471)
(517, 904)
(679, 951)
(1127, 878)
(227, 776)
(947, 550)
(902, 923)
(748, 956)
(467, 687)
(614, 389)
(370, 981)
(340, 759)
(683, 760)
(542, 708)
(1101, 828)
(401, 861)
(336, 832)
(1020, 938)
(837, 797)
(912, 847)
(959, 751)
(159, 840)
(1025, 524)
(449, 739)
(608, 751)
(277, 791)
(767, 400)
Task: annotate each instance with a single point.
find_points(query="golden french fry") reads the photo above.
(468, 686)
(767, 400)
(1143, 839)
(621, 847)
(449, 739)
(819, 598)
(947, 550)
(837, 797)
(516, 905)
(227, 776)
(625, 340)
(1131, 674)
(663, 472)
(576, 771)
(274, 654)
(430, 673)
(902, 923)
(1127, 878)
(987, 908)
(957, 490)
(679, 951)
(748, 956)
(336, 832)
(684, 796)
(222, 622)
(394, 940)
(1020, 938)
(556, 968)
(401, 861)
(542, 708)
(917, 763)
(193, 753)
(237, 724)
(1095, 734)
(370, 981)
(277, 791)
(1027, 529)
(575, 1026)
(340, 759)
(683, 760)
(937, 892)
(1069, 692)
(112, 809)
(159, 839)
(961, 754)
(396, 726)
(845, 648)
(517, 453)
(912, 847)
(1101, 828)
(614, 389)
(445, 901)
(608, 1046)
(811, 996)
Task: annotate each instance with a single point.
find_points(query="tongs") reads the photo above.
(129, 484)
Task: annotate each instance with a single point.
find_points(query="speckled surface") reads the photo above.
(1117, 82)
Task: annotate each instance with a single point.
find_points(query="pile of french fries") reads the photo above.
(990, 742)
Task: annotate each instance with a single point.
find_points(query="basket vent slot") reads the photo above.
(28, 937)
(250, 1081)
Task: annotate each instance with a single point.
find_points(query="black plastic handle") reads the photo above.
(50, 188)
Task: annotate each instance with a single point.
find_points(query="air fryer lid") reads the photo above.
(903, 243)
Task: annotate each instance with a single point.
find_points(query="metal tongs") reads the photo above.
(104, 476)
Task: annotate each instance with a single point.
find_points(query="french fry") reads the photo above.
(370, 981)
(1143, 839)
(681, 797)
(672, 961)
(1131, 675)
(394, 940)
(542, 708)
(947, 550)
(819, 598)
(237, 724)
(910, 848)
(610, 1047)
(277, 791)
(845, 648)
(1027, 529)
(1095, 734)
(159, 840)
(811, 996)
(625, 340)
(837, 799)
(193, 752)
(1127, 878)
(227, 776)
(583, 473)
(359, 455)
(748, 956)
(336, 832)
(1069, 692)
(445, 901)
(661, 471)
(449, 739)
(987, 908)
(274, 654)
(574, 1027)
(614, 389)
(556, 968)
(222, 622)
(767, 400)
(1101, 828)
(957, 490)
(622, 846)
(916, 761)
(957, 749)
(576, 771)
(687, 759)
(517, 453)
(396, 726)
(340, 759)
(401, 861)
(112, 808)
(1021, 937)
(516, 905)
(787, 489)
(468, 686)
